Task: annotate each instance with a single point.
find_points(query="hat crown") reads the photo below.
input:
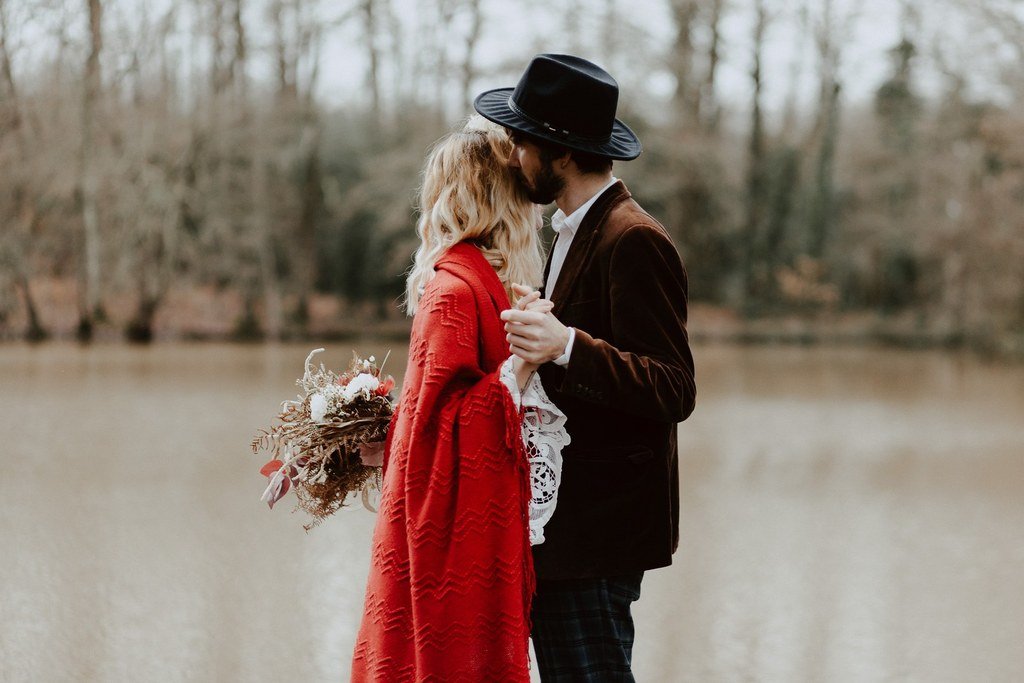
(569, 95)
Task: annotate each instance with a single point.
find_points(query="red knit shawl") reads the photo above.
(451, 574)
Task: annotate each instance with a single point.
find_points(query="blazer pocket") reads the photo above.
(582, 310)
(614, 454)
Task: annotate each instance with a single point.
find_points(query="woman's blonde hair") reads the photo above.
(469, 193)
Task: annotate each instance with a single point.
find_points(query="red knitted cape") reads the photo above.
(451, 574)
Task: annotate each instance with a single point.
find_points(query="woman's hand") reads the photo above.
(529, 299)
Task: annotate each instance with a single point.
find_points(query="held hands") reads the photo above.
(528, 301)
(533, 334)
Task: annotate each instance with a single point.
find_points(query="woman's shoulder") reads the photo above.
(447, 290)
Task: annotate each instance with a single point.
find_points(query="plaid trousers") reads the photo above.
(583, 629)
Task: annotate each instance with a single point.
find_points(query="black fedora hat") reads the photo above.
(566, 100)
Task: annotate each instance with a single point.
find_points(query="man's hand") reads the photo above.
(533, 333)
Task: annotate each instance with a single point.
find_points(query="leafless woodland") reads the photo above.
(157, 153)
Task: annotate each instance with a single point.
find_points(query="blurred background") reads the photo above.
(247, 168)
(843, 178)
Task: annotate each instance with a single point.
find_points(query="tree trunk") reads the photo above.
(468, 65)
(13, 113)
(17, 243)
(285, 66)
(271, 288)
(236, 69)
(35, 331)
(686, 100)
(823, 206)
(373, 59)
(791, 106)
(445, 14)
(312, 208)
(89, 297)
(756, 171)
(708, 105)
(140, 327)
(220, 65)
(822, 213)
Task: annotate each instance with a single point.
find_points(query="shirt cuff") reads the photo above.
(563, 360)
(507, 374)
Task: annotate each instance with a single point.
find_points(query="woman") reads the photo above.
(451, 575)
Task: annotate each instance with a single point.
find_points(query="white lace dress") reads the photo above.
(545, 436)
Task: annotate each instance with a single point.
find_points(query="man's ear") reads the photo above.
(564, 160)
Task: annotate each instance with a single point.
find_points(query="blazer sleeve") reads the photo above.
(646, 369)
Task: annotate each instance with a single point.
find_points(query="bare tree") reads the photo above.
(15, 242)
(1005, 18)
(802, 21)
(12, 112)
(682, 61)
(708, 100)
(757, 173)
(830, 32)
(89, 296)
(237, 65)
(284, 61)
(476, 22)
(370, 9)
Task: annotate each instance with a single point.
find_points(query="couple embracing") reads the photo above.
(530, 473)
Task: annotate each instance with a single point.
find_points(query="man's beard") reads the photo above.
(546, 186)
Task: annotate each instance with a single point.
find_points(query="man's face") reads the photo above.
(534, 173)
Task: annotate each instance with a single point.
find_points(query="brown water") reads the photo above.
(846, 516)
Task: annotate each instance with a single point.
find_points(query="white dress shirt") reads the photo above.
(565, 227)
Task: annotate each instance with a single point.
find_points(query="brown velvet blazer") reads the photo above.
(629, 381)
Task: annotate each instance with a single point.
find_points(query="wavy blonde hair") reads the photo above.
(469, 193)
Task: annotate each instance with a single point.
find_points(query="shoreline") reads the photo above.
(708, 326)
(208, 314)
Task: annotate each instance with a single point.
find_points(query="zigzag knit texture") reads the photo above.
(451, 572)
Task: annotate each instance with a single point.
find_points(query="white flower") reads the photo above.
(362, 384)
(318, 407)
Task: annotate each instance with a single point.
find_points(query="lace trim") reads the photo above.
(545, 436)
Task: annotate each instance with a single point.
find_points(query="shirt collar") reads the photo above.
(561, 223)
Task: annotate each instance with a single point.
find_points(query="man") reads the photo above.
(616, 360)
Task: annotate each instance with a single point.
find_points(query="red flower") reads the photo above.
(278, 483)
(385, 386)
(271, 467)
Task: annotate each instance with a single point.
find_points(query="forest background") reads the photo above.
(247, 169)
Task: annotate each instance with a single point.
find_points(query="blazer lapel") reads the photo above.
(547, 269)
(579, 250)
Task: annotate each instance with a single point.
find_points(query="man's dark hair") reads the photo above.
(585, 161)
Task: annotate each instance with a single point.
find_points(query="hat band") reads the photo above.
(560, 132)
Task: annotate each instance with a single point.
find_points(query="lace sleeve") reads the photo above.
(545, 436)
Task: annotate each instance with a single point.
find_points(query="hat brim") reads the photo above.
(493, 105)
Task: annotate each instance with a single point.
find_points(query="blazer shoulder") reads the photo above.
(629, 217)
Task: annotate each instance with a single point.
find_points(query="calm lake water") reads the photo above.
(847, 515)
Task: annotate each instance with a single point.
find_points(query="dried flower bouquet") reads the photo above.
(316, 446)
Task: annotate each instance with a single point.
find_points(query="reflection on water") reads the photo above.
(846, 516)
